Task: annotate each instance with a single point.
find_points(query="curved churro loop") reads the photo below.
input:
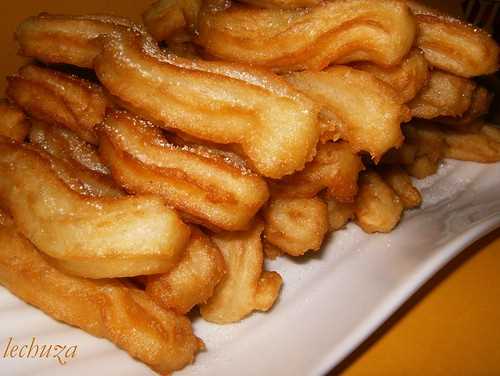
(380, 31)
(453, 45)
(59, 98)
(98, 237)
(407, 78)
(198, 182)
(107, 308)
(274, 124)
(166, 17)
(364, 110)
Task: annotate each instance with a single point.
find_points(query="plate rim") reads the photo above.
(445, 254)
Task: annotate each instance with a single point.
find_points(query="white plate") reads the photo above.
(329, 304)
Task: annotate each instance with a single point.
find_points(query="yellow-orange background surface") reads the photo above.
(451, 327)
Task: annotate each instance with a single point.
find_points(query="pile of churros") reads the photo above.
(148, 170)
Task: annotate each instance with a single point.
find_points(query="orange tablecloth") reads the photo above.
(452, 327)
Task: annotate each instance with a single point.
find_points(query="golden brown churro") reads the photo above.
(91, 236)
(407, 78)
(339, 213)
(343, 31)
(378, 207)
(166, 17)
(453, 45)
(263, 124)
(482, 146)
(13, 122)
(64, 144)
(282, 4)
(246, 287)
(274, 124)
(296, 225)
(59, 98)
(105, 308)
(401, 183)
(199, 182)
(193, 280)
(445, 95)
(364, 110)
(335, 167)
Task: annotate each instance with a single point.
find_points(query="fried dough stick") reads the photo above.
(81, 179)
(380, 31)
(75, 161)
(58, 98)
(480, 105)
(482, 146)
(13, 122)
(199, 182)
(444, 95)
(97, 237)
(430, 148)
(246, 287)
(164, 18)
(407, 78)
(224, 103)
(296, 225)
(378, 208)
(193, 280)
(335, 168)
(364, 110)
(282, 4)
(339, 213)
(66, 145)
(107, 308)
(190, 282)
(452, 45)
(401, 183)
